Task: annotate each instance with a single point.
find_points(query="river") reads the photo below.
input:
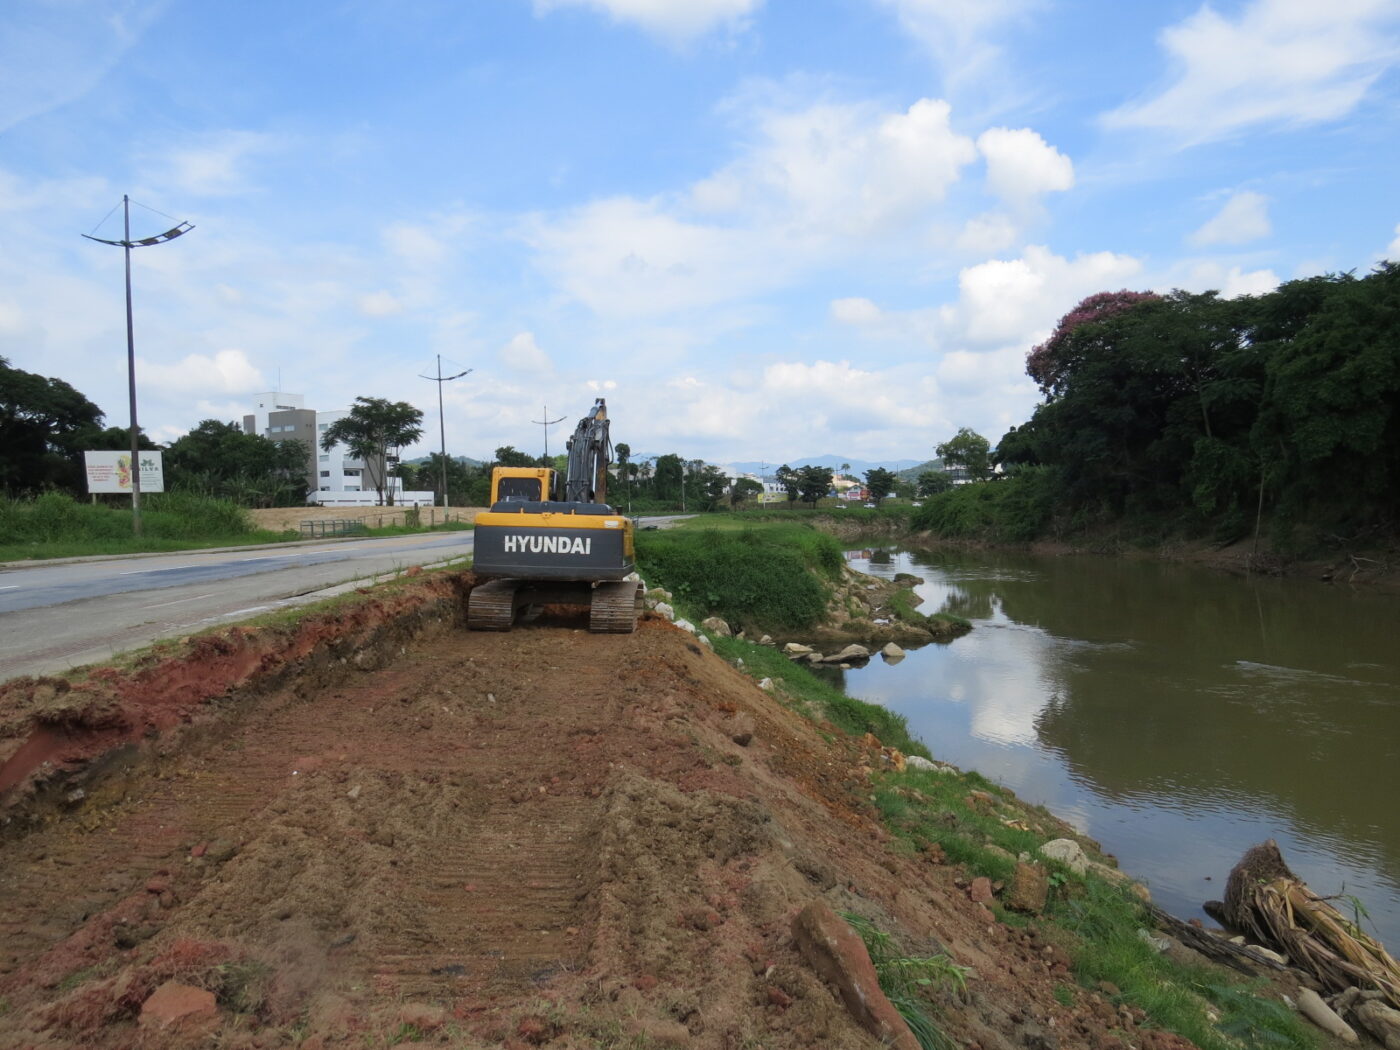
(1175, 714)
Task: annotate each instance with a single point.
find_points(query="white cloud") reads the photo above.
(415, 245)
(956, 32)
(226, 372)
(379, 304)
(1291, 62)
(1020, 300)
(987, 234)
(53, 54)
(1021, 166)
(855, 311)
(1393, 252)
(1230, 281)
(523, 354)
(1243, 218)
(215, 167)
(817, 180)
(675, 20)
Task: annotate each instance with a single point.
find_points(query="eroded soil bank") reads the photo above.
(375, 828)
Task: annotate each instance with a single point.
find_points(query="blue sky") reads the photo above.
(763, 229)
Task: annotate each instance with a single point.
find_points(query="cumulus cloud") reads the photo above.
(676, 20)
(814, 181)
(855, 311)
(1020, 299)
(1230, 281)
(523, 354)
(1290, 62)
(225, 372)
(987, 234)
(1243, 218)
(1022, 166)
(1393, 252)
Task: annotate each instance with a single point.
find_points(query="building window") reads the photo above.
(322, 426)
(323, 459)
(325, 473)
(325, 488)
(352, 488)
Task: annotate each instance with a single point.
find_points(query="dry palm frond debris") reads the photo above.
(1270, 905)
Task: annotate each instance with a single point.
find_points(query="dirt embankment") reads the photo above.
(374, 827)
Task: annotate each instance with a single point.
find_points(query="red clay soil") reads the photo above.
(379, 829)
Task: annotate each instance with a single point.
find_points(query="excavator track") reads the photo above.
(615, 608)
(491, 606)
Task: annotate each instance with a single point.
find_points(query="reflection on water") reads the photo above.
(1176, 715)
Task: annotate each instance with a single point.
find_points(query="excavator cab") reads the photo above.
(535, 548)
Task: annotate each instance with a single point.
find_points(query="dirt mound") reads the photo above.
(407, 833)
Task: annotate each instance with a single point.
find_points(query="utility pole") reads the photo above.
(126, 244)
(547, 422)
(439, 379)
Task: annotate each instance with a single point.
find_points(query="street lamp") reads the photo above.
(126, 244)
(439, 379)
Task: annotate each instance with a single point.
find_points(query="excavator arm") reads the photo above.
(590, 452)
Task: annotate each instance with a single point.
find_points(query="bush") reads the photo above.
(56, 519)
(1016, 509)
(769, 577)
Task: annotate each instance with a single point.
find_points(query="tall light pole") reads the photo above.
(439, 379)
(547, 424)
(126, 244)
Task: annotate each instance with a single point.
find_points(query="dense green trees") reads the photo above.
(44, 426)
(969, 450)
(880, 483)
(1196, 413)
(218, 459)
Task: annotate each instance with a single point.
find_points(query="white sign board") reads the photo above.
(111, 472)
(772, 497)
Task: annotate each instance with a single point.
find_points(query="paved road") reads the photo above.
(59, 615)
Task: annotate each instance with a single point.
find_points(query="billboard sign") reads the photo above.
(111, 472)
(772, 497)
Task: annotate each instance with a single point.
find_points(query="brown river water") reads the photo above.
(1177, 715)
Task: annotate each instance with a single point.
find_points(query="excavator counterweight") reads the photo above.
(548, 539)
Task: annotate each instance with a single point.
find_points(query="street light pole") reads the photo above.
(439, 379)
(547, 423)
(126, 244)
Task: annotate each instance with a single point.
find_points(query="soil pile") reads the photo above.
(378, 829)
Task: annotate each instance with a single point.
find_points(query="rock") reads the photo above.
(686, 625)
(220, 850)
(1155, 940)
(715, 625)
(1029, 889)
(890, 651)
(837, 953)
(767, 639)
(919, 762)
(353, 793)
(423, 1016)
(1268, 953)
(981, 890)
(741, 729)
(705, 641)
(766, 685)
(1311, 1006)
(664, 610)
(177, 1005)
(1381, 1021)
(633, 577)
(796, 649)
(1067, 852)
(850, 654)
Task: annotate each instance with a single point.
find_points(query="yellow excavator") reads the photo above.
(552, 539)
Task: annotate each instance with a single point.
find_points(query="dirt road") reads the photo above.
(361, 834)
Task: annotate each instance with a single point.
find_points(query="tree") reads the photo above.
(510, 456)
(742, 489)
(624, 467)
(813, 483)
(1052, 361)
(932, 482)
(220, 460)
(880, 482)
(371, 428)
(789, 480)
(42, 423)
(967, 449)
(668, 477)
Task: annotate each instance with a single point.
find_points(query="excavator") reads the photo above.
(551, 539)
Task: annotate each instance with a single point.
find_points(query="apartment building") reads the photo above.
(334, 478)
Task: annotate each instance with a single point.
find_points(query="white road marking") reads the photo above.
(177, 601)
(10, 587)
(169, 568)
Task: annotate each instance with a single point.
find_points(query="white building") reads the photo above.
(334, 478)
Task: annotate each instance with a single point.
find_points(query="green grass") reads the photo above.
(775, 577)
(908, 981)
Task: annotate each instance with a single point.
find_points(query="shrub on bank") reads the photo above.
(1017, 509)
(771, 577)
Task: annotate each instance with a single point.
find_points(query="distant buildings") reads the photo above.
(334, 478)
